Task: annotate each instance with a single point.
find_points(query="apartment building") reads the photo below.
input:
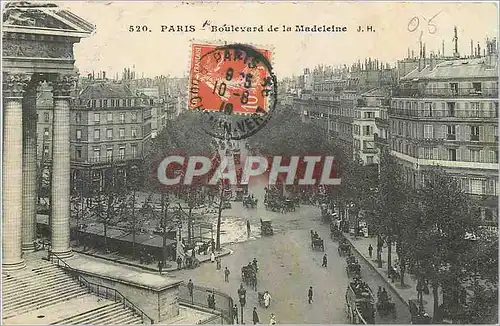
(447, 114)
(367, 110)
(109, 127)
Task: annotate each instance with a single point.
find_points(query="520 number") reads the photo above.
(138, 28)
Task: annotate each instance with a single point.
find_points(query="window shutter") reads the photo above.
(467, 133)
(435, 153)
(457, 132)
(459, 154)
(481, 156)
(466, 153)
(444, 130)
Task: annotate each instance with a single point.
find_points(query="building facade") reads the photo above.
(110, 126)
(447, 115)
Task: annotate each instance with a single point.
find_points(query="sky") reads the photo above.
(112, 47)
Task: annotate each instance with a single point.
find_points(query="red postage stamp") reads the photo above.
(233, 79)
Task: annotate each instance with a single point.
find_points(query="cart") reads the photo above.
(266, 227)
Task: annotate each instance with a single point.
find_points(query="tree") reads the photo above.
(109, 202)
(440, 243)
(224, 195)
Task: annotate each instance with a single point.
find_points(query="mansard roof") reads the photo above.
(105, 90)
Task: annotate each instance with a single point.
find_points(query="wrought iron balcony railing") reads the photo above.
(108, 159)
(446, 92)
(460, 113)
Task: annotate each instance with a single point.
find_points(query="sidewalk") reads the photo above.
(406, 293)
(170, 266)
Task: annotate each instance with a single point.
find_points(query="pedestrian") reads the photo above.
(218, 263)
(325, 261)
(160, 266)
(212, 257)
(226, 275)
(255, 316)
(267, 299)
(248, 228)
(190, 287)
(370, 250)
(272, 320)
(179, 262)
(235, 314)
(310, 294)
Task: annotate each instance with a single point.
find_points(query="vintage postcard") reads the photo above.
(238, 162)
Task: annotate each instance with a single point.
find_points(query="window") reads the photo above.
(495, 132)
(129, 102)
(110, 116)
(78, 134)
(97, 154)
(122, 132)
(122, 152)
(45, 149)
(452, 154)
(78, 153)
(134, 150)
(78, 117)
(451, 132)
(474, 155)
(428, 106)
(476, 186)
(46, 117)
(109, 133)
(105, 103)
(451, 109)
(474, 133)
(454, 88)
(134, 116)
(93, 103)
(97, 134)
(45, 132)
(367, 144)
(97, 117)
(112, 103)
(476, 87)
(134, 132)
(427, 153)
(369, 160)
(122, 117)
(369, 115)
(109, 154)
(493, 156)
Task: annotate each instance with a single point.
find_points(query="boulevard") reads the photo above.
(287, 267)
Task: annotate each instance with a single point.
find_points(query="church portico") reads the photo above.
(38, 44)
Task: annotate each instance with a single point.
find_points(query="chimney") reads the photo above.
(423, 52)
(442, 48)
(478, 49)
(103, 75)
(471, 48)
(412, 54)
(408, 53)
(93, 75)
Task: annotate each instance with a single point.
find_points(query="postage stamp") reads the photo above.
(234, 86)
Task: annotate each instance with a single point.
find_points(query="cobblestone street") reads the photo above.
(287, 267)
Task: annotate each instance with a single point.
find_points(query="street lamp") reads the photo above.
(242, 295)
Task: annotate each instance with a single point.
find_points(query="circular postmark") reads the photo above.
(234, 88)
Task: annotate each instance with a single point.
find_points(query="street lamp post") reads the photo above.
(242, 295)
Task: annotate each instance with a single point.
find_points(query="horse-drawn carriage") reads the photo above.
(240, 193)
(287, 206)
(191, 262)
(344, 249)
(272, 205)
(353, 269)
(266, 227)
(360, 303)
(316, 242)
(249, 202)
(385, 304)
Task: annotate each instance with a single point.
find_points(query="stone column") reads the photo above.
(12, 174)
(29, 169)
(62, 87)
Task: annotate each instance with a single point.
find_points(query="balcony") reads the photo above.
(474, 137)
(108, 159)
(427, 113)
(446, 92)
(451, 137)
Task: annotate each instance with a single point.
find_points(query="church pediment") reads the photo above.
(44, 19)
